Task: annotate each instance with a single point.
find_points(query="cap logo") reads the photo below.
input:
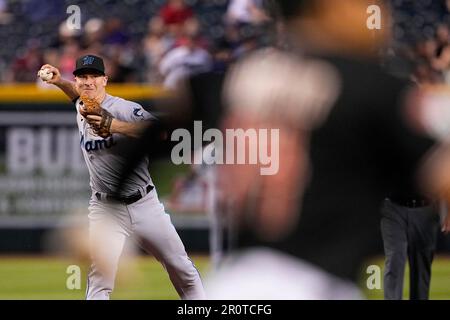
(88, 60)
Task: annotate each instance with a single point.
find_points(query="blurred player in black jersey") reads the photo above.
(347, 138)
(347, 135)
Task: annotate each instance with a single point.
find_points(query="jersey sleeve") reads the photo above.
(134, 112)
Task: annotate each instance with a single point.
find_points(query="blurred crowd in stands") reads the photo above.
(154, 41)
(420, 44)
(160, 41)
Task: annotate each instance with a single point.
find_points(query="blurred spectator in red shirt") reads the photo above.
(174, 13)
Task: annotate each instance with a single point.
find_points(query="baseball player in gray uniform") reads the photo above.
(111, 218)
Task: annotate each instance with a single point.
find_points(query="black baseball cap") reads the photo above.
(89, 63)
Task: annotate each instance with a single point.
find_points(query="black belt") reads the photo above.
(128, 199)
(413, 203)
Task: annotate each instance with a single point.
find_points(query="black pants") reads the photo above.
(408, 233)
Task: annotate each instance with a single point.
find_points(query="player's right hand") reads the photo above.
(56, 74)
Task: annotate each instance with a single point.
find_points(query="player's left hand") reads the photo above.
(98, 124)
(94, 120)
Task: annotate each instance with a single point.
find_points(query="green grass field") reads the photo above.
(45, 278)
(440, 280)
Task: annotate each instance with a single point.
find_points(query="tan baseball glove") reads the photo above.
(92, 107)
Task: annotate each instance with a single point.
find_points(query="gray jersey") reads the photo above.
(105, 157)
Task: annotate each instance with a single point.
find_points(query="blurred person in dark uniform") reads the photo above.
(345, 139)
(409, 225)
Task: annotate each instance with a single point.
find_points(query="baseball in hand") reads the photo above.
(45, 74)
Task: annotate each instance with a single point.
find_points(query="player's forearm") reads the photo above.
(130, 129)
(68, 87)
